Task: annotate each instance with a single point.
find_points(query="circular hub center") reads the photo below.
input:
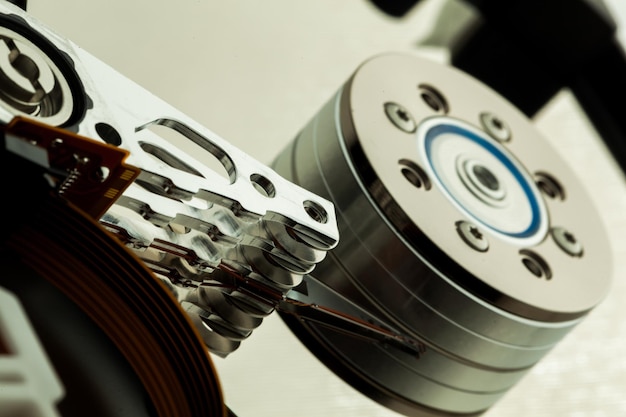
(486, 178)
(483, 180)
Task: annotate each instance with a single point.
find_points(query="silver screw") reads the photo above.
(400, 117)
(495, 127)
(472, 236)
(567, 241)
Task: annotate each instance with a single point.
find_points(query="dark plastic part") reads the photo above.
(395, 8)
(527, 82)
(600, 87)
(19, 3)
(529, 49)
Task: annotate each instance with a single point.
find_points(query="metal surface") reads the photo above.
(199, 204)
(255, 72)
(76, 281)
(567, 241)
(472, 236)
(495, 126)
(400, 117)
(478, 309)
(31, 83)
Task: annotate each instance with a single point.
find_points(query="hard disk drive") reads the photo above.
(423, 238)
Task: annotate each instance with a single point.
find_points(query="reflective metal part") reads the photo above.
(483, 180)
(444, 327)
(400, 118)
(199, 206)
(567, 241)
(30, 82)
(479, 309)
(495, 126)
(472, 236)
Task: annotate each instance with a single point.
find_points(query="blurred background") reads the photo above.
(255, 72)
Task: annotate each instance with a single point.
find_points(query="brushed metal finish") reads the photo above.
(401, 258)
(199, 206)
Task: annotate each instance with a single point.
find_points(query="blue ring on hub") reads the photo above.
(436, 131)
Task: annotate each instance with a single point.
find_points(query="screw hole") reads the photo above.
(532, 267)
(414, 174)
(433, 98)
(263, 185)
(549, 185)
(315, 211)
(108, 134)
(535, 264)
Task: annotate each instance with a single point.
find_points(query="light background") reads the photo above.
(255, 72)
